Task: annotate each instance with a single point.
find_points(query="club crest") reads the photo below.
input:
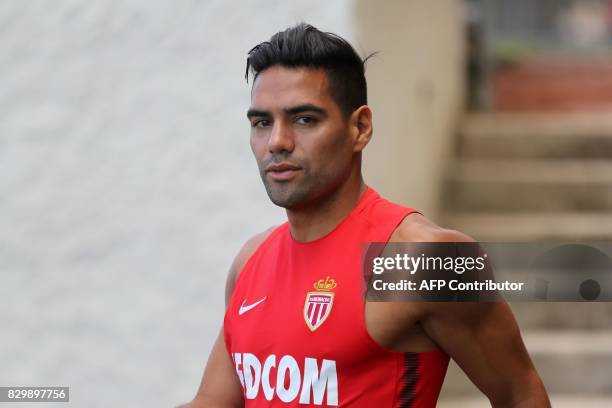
(319, 303)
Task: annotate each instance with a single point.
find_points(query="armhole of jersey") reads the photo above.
(230, 305)
(438, 350)
(406, 213)
(250, 259)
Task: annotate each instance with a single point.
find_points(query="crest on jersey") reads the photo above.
(319, 303)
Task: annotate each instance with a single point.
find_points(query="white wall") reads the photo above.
(126, 187)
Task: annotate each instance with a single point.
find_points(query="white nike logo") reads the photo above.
(244, 309)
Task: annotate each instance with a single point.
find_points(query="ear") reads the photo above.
(360, 123)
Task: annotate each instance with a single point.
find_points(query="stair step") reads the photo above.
(536, 135)
(563, 315)
(554, 171)
(570, 342)
(557, 401)
(529, 185)
(569, 362)
(533, 226)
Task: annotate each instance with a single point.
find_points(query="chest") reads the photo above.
(295, 310)
(312, 303)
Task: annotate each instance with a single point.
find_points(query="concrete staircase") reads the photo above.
(531, 178)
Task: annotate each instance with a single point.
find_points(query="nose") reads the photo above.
(281, 138)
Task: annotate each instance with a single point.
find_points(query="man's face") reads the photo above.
(299, 137)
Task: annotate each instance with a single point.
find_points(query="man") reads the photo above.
(297, 330)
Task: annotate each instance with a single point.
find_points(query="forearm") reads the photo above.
(220, 387)
(204, 402)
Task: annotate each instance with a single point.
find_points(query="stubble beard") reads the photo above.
(291, 194)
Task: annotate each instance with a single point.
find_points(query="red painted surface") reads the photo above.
(553, 86)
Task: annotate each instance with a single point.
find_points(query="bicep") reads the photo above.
(485, 341)
(220, 386)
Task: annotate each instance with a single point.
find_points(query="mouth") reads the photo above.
(282, 171)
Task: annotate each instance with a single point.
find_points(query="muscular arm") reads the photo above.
(220, 387)
(483, 338)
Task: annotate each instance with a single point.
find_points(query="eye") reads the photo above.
(305, 120)
(260, 123)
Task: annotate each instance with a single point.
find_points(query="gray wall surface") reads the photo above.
(415, 88)
(126, 187)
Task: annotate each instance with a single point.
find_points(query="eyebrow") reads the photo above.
(307, 107)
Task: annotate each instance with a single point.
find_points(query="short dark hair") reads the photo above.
(305, 46)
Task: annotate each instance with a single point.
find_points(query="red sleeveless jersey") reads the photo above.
(295, 325)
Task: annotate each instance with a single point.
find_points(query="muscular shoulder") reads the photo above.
(417, 228)
(242, 257)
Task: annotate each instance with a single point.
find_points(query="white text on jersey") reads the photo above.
(305, 381)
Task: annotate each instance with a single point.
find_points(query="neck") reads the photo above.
(313, 222)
